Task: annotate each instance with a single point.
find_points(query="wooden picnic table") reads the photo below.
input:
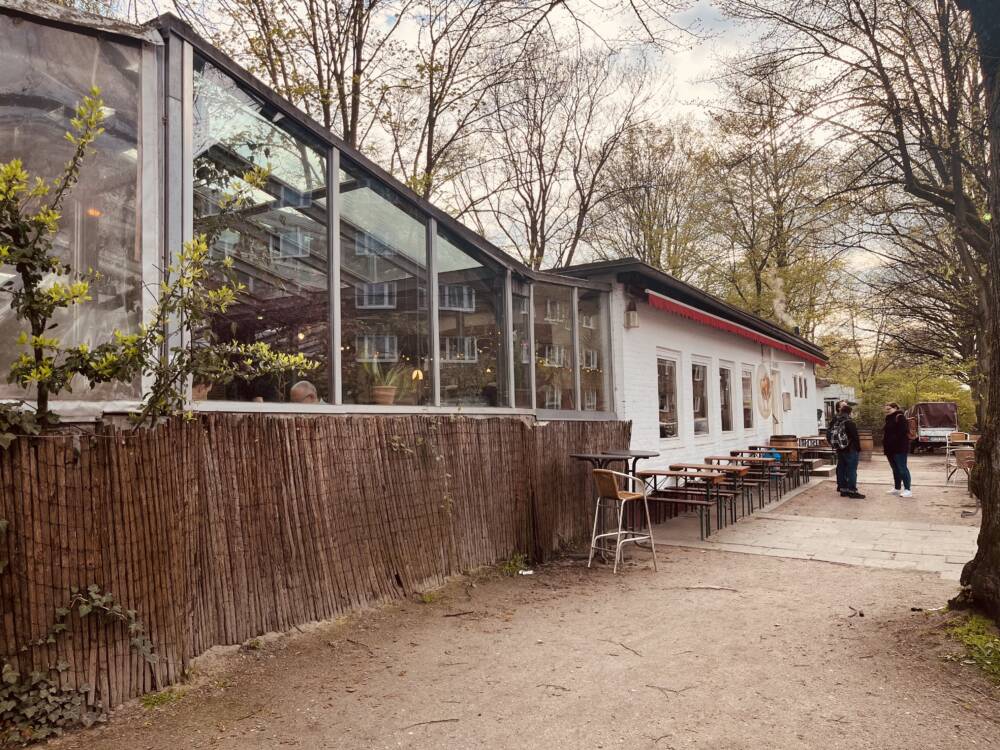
(746, 457)
(739, 469)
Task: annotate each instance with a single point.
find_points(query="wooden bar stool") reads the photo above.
(610, 496)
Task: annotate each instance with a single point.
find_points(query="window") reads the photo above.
(520, 304)
(554, 356)
(726, 398)
(805, 388)
(795, 385)
(555, 310)
(699, 398)
(593, 338)
(372, 347)
(380, 295)
(471, 320)
(461, 349)
(590, 402)
(666, 384)
(589, 359)
(277, 238)
(44, 71)
(457, 297)
(552, 397)
(747, 397)
(383, 242)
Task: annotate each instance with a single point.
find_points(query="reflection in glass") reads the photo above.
(277, 238)
(747, 398)
(666, 385)
(593, 355)
(44, 72)
(470, 304)
(521, 311)
(385, 350)
(726, 398)
(554, 355)
(699, 391)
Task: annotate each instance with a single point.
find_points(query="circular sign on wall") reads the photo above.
(765, 391)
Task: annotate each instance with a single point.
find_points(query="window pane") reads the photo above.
(470, 318)
(699, 390)
(44, 72)
(277, 239)
(554, 347)
(593, 351)
(385, 345)
(522, 346)
(666, 382)
(747, 398)
(726, 398)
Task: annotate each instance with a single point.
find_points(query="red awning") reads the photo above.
(677, 308)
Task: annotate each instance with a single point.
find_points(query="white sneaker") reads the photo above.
(892, 492)
(906, 493)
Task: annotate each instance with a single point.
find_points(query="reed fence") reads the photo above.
(229, 526)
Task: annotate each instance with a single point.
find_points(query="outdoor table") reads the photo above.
(634, 455)
(709, 478)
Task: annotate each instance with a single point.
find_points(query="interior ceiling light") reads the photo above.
(95, 212)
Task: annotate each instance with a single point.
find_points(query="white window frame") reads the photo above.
(290, 242)
(731, 368)
(389, 341)
(590, 359)
(751, 371)
(376, 295)
(553, 397)
(590, 399)
(466, 301)
(459, 349)
(555, 355)
(588, 321)
(555, 311)
(675, 360)
(707, 364)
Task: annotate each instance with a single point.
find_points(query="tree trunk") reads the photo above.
(981, 575)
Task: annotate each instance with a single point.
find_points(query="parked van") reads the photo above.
(931, 422)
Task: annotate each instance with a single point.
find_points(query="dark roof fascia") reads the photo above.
(70, 19)
(169, 23)
(632, 270)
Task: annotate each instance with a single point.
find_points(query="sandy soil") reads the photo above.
(717, 650)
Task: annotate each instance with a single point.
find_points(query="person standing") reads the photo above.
(844, 438)
(837, 420)
(896, 446)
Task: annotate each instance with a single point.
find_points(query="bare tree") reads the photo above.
(655, 207)
(778, 225)
(554, 132)
(334, 59)
(914, 84)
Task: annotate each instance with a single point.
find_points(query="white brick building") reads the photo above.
(677, 350)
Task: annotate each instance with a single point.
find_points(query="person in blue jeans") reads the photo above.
(847, 458)
(896, 446)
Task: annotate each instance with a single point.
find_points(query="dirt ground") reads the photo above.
(715, 650)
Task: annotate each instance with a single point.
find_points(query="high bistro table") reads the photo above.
(601, 460)
(635, 456)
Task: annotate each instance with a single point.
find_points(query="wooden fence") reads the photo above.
(229, 526)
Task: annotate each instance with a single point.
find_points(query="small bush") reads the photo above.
(517, 562)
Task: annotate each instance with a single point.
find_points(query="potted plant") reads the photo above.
(386, 384)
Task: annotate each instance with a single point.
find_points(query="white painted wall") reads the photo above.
(635, 352)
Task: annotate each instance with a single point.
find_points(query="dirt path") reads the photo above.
(717, 650)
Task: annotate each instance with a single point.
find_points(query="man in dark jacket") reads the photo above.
(896, 446)
(848, 457)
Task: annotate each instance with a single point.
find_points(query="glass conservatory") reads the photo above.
(401, 306)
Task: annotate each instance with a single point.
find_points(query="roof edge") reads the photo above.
(76, 19)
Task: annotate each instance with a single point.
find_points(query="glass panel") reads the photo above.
(699, 390)
(44, 72)
(277, 240)
(385, 344)
(666, 383)
(521, 304)
(470, 318)
(554, 347)
(747, 398)
(593, 351)
(726, 398)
